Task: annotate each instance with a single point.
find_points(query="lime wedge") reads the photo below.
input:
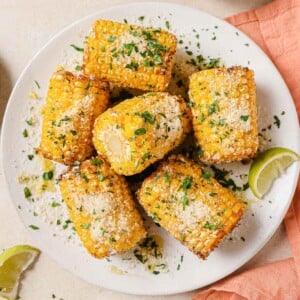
(268, 166)
(13, 262)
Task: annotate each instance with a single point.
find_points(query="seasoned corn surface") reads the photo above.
(72, 104)
(139, 131)
(223, 102)
(129, 55)
(101, 208)
(193, 207)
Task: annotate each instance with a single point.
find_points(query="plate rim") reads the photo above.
(61, 31)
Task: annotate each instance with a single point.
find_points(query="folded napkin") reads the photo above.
(276, 28)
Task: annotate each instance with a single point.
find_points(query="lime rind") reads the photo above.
(13, 262)
(268, 166)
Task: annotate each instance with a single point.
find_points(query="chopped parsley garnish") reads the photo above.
(86, 225)
(84, 177)
(78, 68)
(37, 84)
(55, 204)
(213, 107)
(206, 175)
(25, 133)
(29, 122)
(140, 131)
(167, 23)
(213, 63)
(189, 52)
(141, 18)
(146, 156)
(48, 175)
(244, 118)
(27, 192)
(132, 66)
(221, 177)
(74, 132)
(211, 226)
(34, 227)
(148, 63)
(186, 184)
(276, 121)
(96, 161)
(30, 156)
(167, 176)
(147, 117)
(76, 48)
(88, 85)
(101, 176)
(111, 39)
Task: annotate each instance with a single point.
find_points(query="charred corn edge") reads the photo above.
(103, 91)
(134, 82)
(221, 233)
(248, 152)
(102, 250)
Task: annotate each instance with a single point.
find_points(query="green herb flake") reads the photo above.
(76, 48)
(213, 107)
(277, 121)
(211, 226)
(96, 162)
(140, 131)
(48, 175)
(167, 176)
(78, 68)
(55, 204)
(167, 23)
(37, 84)
(111, 39)
(27, 192)
(74, 132)
(146, 156)
(244, 118)
(86, 226)
(30, 156)
(34, 227)
(25, 133)
(132, 66)
(101, 176)
(206, 175)
(29, 122)
(147, 117)
(141, 18)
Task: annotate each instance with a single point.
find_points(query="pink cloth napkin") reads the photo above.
(276, 28)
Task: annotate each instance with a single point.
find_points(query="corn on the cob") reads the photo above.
(223, 102)
(101, 208)
(72, 105)
(190, 205)
(139, 131)
(129, 55)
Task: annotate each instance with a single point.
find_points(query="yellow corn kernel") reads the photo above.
(137, 132)
(192, 207)
(129, 55)
(223, 102)
(101, 208)
(72, 105)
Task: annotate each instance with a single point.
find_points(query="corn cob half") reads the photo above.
(139, 131)
(101, 208)
(72, 105)
(191, 206)
(129, 55)
(223, 102)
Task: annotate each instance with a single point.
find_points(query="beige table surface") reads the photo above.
(25, 26)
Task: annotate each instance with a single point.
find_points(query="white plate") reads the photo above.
(217, 39)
